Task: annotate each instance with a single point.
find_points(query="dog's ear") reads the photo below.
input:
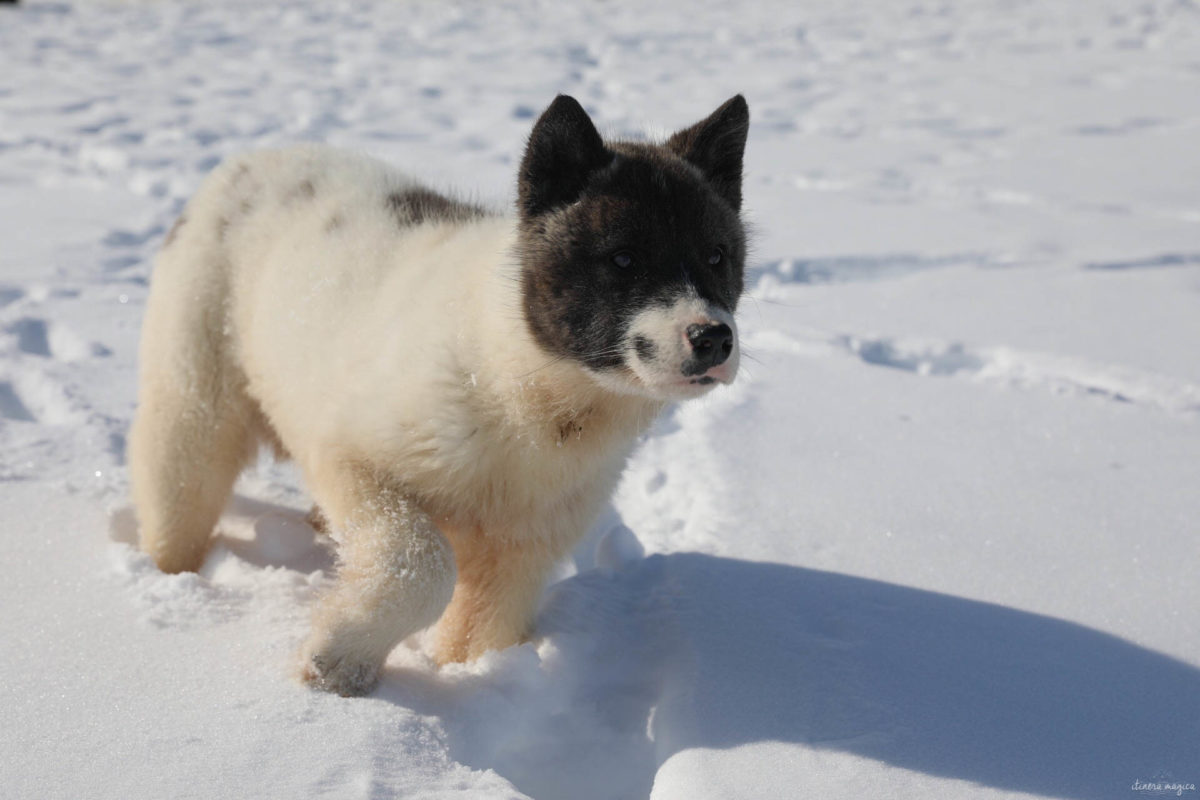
(716, 145)
(564, 150)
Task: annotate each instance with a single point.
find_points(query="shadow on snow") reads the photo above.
(688, 650)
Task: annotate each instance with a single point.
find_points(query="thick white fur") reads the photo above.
(453, 458)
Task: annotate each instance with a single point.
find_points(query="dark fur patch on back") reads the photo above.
(301, 192)
(174, 231)
(244, 183)
(246, 188)
(417, 205)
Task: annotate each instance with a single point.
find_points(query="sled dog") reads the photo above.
(459, 387)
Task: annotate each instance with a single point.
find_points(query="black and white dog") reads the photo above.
(460, 388)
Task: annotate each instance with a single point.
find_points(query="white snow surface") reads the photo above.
(940, 540)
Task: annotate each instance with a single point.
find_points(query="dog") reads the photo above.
(459, 387)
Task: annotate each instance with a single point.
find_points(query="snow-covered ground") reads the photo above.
(941, 540)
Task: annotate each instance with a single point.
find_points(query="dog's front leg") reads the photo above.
(499, 582)
(396, 575)
(501, 574)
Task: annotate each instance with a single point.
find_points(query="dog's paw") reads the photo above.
(342, 675)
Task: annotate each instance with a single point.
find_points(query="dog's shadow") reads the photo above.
(688, 650)
(681, 651)
(258, 532)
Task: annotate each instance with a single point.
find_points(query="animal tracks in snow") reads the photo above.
(1004, 366)
(33, 347)
(1163, 260)
(12, 407)
(35, 336)
(48, 365)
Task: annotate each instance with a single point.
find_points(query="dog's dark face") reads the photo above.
(632, 254)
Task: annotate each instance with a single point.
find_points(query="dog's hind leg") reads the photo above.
(396, 574)
(190, 439)
(195, 426)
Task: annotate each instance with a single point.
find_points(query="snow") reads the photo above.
(939, 541)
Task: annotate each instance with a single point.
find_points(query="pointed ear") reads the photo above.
(715, 145)
(564, 150)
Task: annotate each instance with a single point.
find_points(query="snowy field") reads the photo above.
(941, 539)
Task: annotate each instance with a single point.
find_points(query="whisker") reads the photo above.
(549, 363)
(609, 351)
(776, 302)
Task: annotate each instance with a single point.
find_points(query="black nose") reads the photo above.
(711, 345)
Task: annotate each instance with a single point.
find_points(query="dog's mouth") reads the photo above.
(658, 387)
(685, 387)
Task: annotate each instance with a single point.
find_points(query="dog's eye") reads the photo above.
(623, 259)
(716, 257)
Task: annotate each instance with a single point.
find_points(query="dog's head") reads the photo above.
(632, 254)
